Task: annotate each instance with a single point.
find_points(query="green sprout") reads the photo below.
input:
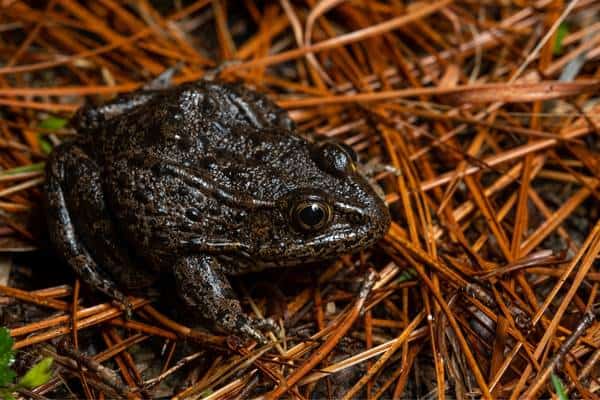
(50, 123)
(25, 168)
(561, 33)
(559, 387)
(37, 375)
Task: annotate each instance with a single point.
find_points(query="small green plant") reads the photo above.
(561, 33)
(559, 388)
(51, 123)
(39, 374)
(25, 168)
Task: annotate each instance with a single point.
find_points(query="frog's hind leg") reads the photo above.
(203, 285)
(66, 164)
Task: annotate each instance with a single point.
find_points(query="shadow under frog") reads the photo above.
(202, 181)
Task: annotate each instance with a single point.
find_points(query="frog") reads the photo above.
(202, 181)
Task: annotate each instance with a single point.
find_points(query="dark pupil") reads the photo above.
(312, 215)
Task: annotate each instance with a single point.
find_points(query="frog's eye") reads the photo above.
(350, 151)
(336, 158)
(312, 215)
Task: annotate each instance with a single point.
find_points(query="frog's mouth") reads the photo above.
(318, 248)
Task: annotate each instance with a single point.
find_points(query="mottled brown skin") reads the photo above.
(202, 180)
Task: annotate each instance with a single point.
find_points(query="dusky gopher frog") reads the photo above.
(202, 181)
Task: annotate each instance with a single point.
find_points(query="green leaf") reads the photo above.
(561, 32)
(39, 374)
(406, 275)
(558, 387)
(7, 376)
(6, 394)
(6, 344)
(25, 168)
(45, 144)
(7, 357)
(53, 123)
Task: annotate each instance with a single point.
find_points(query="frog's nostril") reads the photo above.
(358, 218)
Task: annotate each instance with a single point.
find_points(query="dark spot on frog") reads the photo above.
(142, 195)
(208, 105)
(193, 214)
(202, 181)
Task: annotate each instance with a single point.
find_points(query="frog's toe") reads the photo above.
(254, 328)
(265, 324)
(124, 303)
(128, 310)
(249, 331)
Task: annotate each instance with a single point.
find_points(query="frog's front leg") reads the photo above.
(61, 227)
(203, 285)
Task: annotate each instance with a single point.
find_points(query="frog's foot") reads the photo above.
(248, 327)
(126, 306)
(203, 286)
(266, 324)
(253, 328)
